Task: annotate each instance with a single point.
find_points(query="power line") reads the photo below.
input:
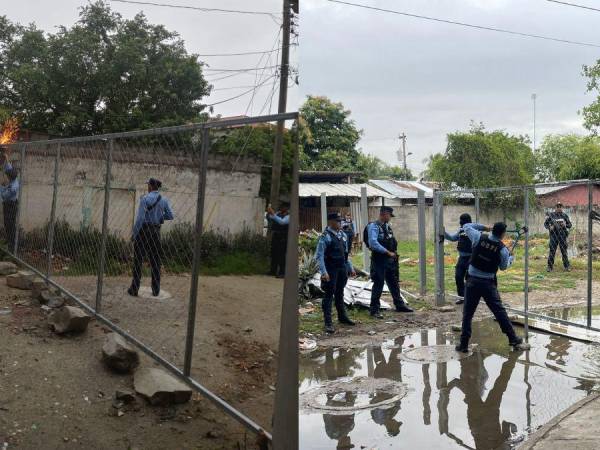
(574, 5)
(468, 25)
(198, 8)
(242, 53)
(243, 93)
(251, 69)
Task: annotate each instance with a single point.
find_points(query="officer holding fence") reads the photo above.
(9, 192)
(153, 210)
(334, 266)
(558, 224)
(279, 222)
(384, 262)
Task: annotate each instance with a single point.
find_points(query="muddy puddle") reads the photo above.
(395, 395)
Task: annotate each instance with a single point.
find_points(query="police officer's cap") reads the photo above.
(334, 216)
(387, 209)
(156, 184)
(559, 205)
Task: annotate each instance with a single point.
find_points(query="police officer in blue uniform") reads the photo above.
(9, 193)
(154, 209)
(465, 248)
(384, 263)
(349, 228)
(334, 266)
(489, 255)
(280, 223)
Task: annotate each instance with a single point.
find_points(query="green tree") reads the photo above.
(373, 167)
(568, 157)
(103, 74)
(480, 158)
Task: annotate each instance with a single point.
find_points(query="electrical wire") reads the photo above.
(468, 25)
(242, 94)
(574, 5)
(242, 53)
(198, 8)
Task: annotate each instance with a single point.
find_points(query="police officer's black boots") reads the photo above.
(403, 307)
(329, 328)
(463, 346)
(343, 317)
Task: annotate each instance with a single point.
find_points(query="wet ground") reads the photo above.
(490, 399)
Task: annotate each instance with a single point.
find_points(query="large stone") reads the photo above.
(50, 298)
(159, 387)
(37, 287)
(118, 355)
(7, 268)
(21, 280)
(69, 319)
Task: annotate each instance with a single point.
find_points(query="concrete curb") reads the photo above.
(540, 434)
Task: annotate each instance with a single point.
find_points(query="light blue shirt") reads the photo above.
(324, 241)
(374, 231)
(454, 237)
(506, 259)
(280, 220)
(10, 192)
(352, 225)
(155, 216)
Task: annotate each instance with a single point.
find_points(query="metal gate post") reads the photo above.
(323, 211)
(20, 201)
(199, 228)
(477, 207)
(52, 223)
(526, 266)
(364, 214)
(105, 211)
(422, 244)
(589, 255)
(438, 239)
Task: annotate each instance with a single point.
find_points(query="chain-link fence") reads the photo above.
(551, 233)
(179, 272)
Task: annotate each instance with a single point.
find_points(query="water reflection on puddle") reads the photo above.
(489, 400)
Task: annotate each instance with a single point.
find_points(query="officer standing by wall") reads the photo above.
(349, 228)
(489, 255)
(9, 192)
(334, 265)
(153, 210)
(558, 224)
(384, 262)
(465, 248)
(280, 222)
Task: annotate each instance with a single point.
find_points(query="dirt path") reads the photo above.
(56, 394)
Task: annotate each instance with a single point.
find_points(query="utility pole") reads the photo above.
(533, 98)
(283, 87)
(402, 153)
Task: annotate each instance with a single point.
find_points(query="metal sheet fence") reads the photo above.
(78, 203)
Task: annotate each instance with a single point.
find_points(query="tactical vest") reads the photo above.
(347, 227)
(464, 243)
(386, 238)
(486, 254)
(278, 228)
(336, 250)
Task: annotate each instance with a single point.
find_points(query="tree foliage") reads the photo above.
(103, 74)
(480, 158)
(568, 157)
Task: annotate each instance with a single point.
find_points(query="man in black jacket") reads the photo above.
(558, 224)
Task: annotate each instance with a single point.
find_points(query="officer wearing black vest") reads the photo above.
(465, 248)
(489, 255)
(384, 262)
(280, 222)
(334, 265)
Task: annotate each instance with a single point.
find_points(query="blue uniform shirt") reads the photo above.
(280, 220)
(454, 237)
(324, 241)
(9, 193)
(156, 216)
(506, 259)
(375, 232)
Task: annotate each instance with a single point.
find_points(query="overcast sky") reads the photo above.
(203, 32)
(399, 74)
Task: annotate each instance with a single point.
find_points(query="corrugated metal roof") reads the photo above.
(403, 189)
(339, 190)
(544, 190)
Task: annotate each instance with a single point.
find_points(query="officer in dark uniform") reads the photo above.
(384, 262)
(154, 209)
(280, 222)
(9, 192)
(558, 224)
(489, 255)
(349, 228)
(334, 265)
(465, 248)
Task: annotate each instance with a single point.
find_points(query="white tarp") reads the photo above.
(356, 292)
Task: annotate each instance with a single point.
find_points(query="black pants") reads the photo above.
(477, 288)
(9, 209)
(460, 273)
(334, 289)
(350, 237)
(278, 251)
(147, 245)
(561, 242)
(384, 269)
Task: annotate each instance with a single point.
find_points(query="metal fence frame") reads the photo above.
(285, 427)
(438, 201)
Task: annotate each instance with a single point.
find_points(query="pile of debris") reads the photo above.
(356, 293)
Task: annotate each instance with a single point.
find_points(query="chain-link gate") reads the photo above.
(79, 201)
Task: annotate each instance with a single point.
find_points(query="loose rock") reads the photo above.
(159, 387)
(447, 308)
(20, 280)
(7, 268)
(125, 396)
(118, 355)
(69, 319)
(37, 287)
